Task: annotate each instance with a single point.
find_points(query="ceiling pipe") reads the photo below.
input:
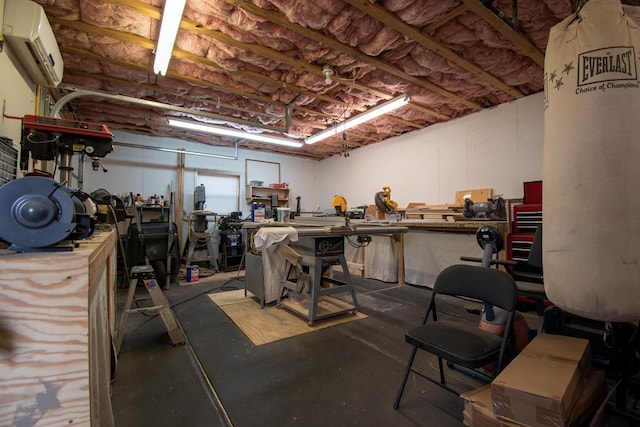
(78, 92)
(180, 150)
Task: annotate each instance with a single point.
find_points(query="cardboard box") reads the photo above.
(541, 386)
(562, 349)
(478, 409)
(593, 394)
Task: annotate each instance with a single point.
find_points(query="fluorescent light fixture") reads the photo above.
(218, 130)
(359, 119)
(171, 17)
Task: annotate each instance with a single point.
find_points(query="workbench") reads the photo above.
(414, 255)
(417, 256)
(57, 320)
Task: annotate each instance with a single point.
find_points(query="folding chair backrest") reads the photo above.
(490, 285)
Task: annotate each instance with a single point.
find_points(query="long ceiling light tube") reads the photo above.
(359, 119)
(222, 131)
(171, 17)
(180, 150)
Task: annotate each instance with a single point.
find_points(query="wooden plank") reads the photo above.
(263, 326)
(421, 205)
(477, 195)
(417, 210)
(520, 40)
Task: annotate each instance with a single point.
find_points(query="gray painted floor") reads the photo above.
(343, 375)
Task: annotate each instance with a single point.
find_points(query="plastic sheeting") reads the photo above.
(427, 253)
(379, 258)
(273, 264)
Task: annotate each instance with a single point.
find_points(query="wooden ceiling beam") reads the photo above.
(196, 27)
(256, 76)
(428, 111)
(521, 41)
(453, 13)
(148, 68)
(280, 19)
(404, 122)
(378, 12)
(178, 53)
(160, 89)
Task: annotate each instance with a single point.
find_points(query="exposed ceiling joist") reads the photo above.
(383, 15)
(261, 63)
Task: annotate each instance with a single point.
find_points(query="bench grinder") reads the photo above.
(37, 213)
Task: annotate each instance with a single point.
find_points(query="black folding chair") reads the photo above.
(530, 284)
(460, 342)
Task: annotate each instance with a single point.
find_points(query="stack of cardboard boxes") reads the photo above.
(550, 383)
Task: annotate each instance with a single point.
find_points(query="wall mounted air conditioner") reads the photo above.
(31, 39)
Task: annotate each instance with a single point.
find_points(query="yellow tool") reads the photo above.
(384, 202)
(340, 204)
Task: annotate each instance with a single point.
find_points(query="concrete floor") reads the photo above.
(343, 375)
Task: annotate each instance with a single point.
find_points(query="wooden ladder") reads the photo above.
(145, 274)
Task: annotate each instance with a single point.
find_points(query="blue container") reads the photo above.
(193, 273)
(258, 212)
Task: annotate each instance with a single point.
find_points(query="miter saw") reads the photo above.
(339, 203)
(384, 202)
(493, 210)
(37, 213)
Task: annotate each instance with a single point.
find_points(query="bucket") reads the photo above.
(193, 273)
(283, 214)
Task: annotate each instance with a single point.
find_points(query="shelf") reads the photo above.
(263, 195)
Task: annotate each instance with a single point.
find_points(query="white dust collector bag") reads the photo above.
(591, 172)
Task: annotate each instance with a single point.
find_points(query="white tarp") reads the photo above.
(427, 253)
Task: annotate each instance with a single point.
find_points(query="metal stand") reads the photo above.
(200, 254)
(201, 246)
(319, 304)
(146, 275)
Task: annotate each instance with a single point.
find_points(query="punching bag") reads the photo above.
(591, 163)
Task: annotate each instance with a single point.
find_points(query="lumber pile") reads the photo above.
(423, 211)
(450, 212)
